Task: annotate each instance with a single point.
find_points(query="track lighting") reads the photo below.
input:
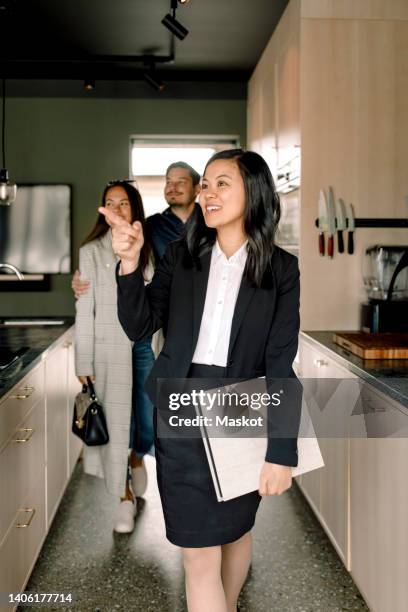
(171, 23)
(151, 77)
(8, 189)
(175, 26)
(89, 84)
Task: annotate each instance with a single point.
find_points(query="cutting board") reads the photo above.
(374, 346)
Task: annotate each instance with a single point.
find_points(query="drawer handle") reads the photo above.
(27, 392)
(320, 363)
(27, 524)
(29, 431)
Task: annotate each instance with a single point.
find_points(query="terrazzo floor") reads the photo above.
(295, 568)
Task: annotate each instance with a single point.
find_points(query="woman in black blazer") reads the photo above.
(228, 299)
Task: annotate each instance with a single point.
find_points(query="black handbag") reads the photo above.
(89, 421)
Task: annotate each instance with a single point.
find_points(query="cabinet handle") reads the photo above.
(27, 391)
(29, 431)
(320, 363)
(27, 524)
(67, 344)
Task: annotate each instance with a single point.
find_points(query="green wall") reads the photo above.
(85, 142)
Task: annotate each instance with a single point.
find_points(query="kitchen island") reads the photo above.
(37, 449)
(360, 497)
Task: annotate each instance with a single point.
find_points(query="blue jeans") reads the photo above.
(141, 424)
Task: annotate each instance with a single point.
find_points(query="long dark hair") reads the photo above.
(136, 205)
(261, 216)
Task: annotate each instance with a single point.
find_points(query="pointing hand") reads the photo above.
(127, 239)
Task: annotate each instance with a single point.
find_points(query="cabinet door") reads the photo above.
(310, 482)
(254, 113)
(56, 402)
(19, 401)
(74, 386)
(328, 488)
(378, 512)
(22, 462)
(288, 98)
(23, 541)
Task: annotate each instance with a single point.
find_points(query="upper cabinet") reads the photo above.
(330, 92)
(273, 94)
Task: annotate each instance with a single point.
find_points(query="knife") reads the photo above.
(351, 226)
(331, 220)
(341, 222)
(322, 220)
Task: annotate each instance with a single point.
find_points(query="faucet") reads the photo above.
(16, 271)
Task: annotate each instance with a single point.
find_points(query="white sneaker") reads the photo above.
(139, 480)
(125, 517)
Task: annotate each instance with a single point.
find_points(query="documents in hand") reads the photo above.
(236, 462)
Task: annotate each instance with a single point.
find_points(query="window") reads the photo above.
(150, 156)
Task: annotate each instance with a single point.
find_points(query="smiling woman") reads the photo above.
(149, 157)
(104, 354)
(222, 202)
(228, 298)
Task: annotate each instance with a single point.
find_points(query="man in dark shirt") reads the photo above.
(180, 191)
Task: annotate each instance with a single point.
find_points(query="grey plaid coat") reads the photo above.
(102, 349)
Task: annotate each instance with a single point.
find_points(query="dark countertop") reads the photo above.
(38, 339)
(388, 375)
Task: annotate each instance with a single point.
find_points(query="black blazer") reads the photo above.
(264, 333)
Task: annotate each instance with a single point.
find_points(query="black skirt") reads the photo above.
(193, 516)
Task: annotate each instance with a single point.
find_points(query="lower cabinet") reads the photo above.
(23, 542)
(56, 434)
(360, 496)
(378, 522)
(37, 455)
(327, 489)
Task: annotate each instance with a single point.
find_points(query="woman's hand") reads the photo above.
(79, 287)
(274, 479)
(127, 239)
(83, 381)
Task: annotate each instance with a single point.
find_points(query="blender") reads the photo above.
(385, 276)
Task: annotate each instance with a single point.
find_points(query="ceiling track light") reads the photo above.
(171, 23)
(151, 77)
(8, 189)
(89, 84)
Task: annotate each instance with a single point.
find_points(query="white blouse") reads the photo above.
(223, 285)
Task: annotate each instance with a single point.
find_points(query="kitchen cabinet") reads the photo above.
(331, 87)
(378, 513)
(37, 455)
(360, 497)
(56, 435)
(326, 489)
(273, 94)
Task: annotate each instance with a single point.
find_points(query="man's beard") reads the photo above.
(176, 204)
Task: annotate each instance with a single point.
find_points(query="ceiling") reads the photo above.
(48, 47)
